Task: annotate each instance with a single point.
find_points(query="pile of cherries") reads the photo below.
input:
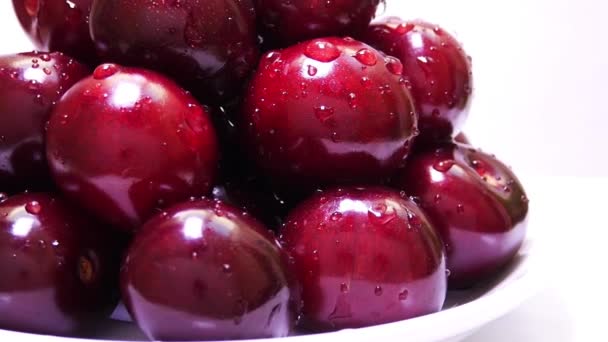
(240, 169)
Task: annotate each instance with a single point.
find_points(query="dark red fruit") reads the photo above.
(283, 23)
(462, 138)
(364, 256)
(127, 141)
(203, 270)
(327, 111)
(30, 84)
(209, 46)
(58, 272)
(58, 25)
(437, 68)
(475, 202)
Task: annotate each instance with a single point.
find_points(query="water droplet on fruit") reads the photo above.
(343, 288)
(31, 7)
(460, 208)
(324, 113)
(380, 214)
(46, 71)
(378, 290)
(3, 197)
(393, 65)
(104, 71)
(366, 57)
(448, 273)
(437, 198)
(406, 83)
(436, 113)
(312, 70)
(404, 28)
(523, 198)
(403, 295)
(336, 216)
(414, 221)
(272, 56)
(33, 207)
(227, 268)
(444, 165)
(334, 137)
(506, 189)
(322, 51)
(438, 30)
(352, 100)
(479, 166)
(33, 85)
(366, 82)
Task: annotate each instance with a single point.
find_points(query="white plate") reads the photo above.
(464, 311)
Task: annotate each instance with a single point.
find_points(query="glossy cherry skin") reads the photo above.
(364, 256)
(327, 111)
(283, 23)
(209, 46)
(58, 25)
(437, 68)
(204, 270)
(476, 203)
(30, 84)
(126, 141)
(59, 270)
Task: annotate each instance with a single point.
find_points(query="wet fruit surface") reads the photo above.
(58, 25)
(58, 271)
(436, 67)
(476, 203)
(329, 110)
(223, 276)
(126, 141)
(364, 256)
(286, 22)
(209, 46)
(30, 84)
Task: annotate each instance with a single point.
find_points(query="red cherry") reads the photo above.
(59, 273)
(284, 23)
(30, 84)
(209, 46)
(436, 69)
(327, 111)
(127, 141)
(476, 203)
(203, 270)
(58, 25)
(364, 256)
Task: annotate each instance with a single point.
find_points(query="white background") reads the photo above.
(541, 69)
